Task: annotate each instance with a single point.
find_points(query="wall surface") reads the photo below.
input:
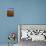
(26, 12)
(7, 24)
(31, 11)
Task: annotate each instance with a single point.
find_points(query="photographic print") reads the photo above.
(29, 33)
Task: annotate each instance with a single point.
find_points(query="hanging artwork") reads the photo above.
(10, 12)
(12, 36)
(32, 32)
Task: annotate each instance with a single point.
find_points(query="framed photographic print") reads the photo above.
(32, 32)
(10, 12)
